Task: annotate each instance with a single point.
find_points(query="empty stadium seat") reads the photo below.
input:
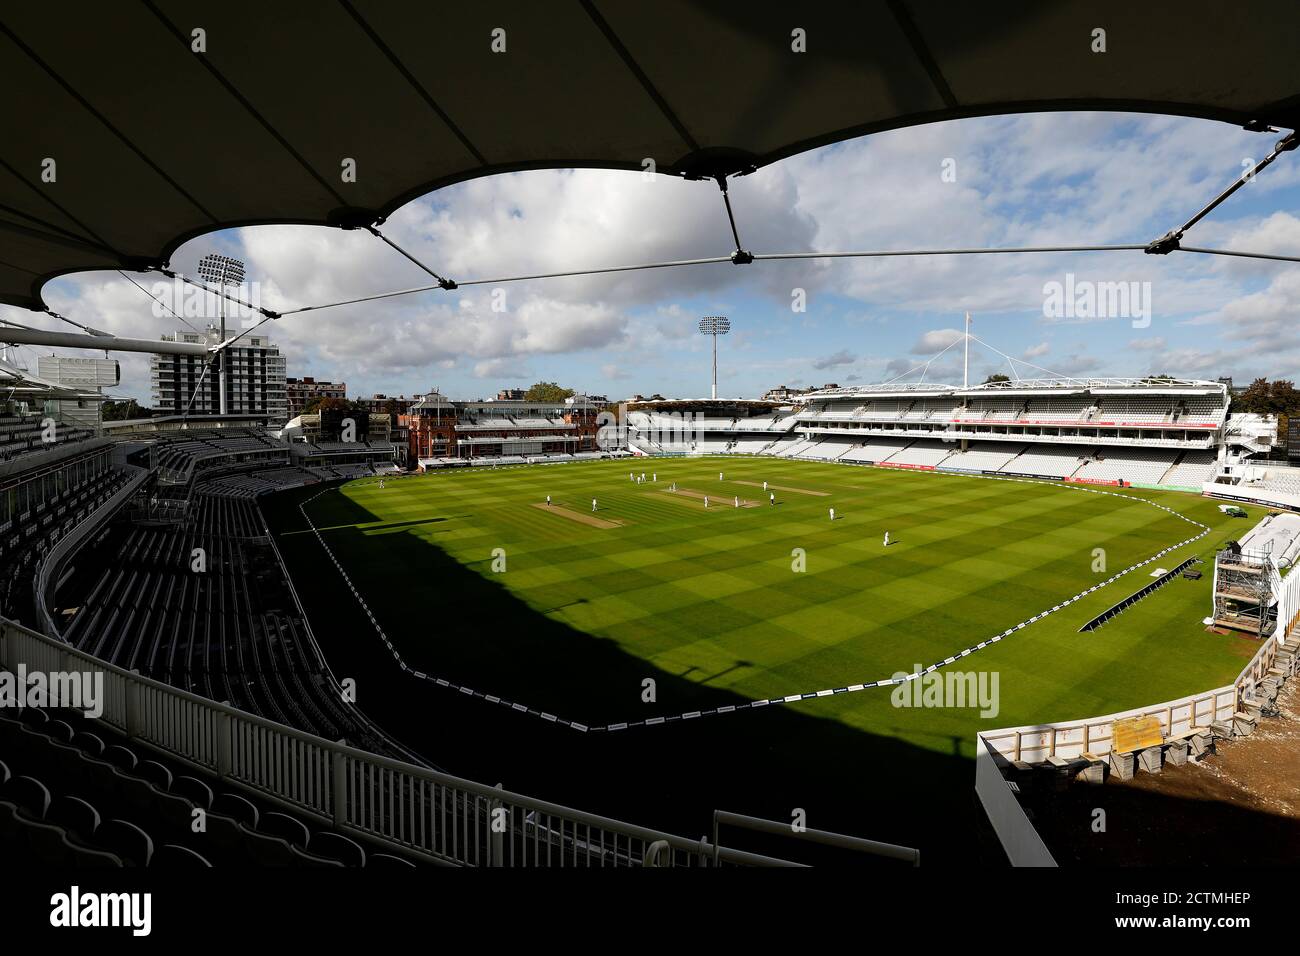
(77, 817)
(127, 841)
(335, 846)
(237, 808)
(291, 829)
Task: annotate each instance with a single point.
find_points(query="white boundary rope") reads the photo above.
(788, 698)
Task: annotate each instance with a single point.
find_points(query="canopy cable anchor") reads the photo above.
(443, 283)
(1170, 240)
(740, 257)
(172, 274)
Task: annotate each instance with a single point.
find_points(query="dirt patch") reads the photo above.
(797, 491)
(715, 501)
(1260, 771)
(1238, 805)
(578, 516)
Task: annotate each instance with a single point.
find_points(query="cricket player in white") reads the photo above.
(832, 514)
(706, 501)
(737, 501)
(773, 499)
(765, 486)
(886, 539)
(548, 501)
(593, 504)
(719, 476)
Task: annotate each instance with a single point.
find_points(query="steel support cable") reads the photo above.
(1170, 240)
(740, 257)
(923, 367)
(443, 283)
(774, 256)
(504, 279)
(198, 385)
(886, 253)
(159, 301)
(171, 274)
(1243, 255)
(85, 328)
(1010, 358)
(221, 346)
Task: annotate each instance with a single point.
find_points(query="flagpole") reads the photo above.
(965, 379)
(965, 364)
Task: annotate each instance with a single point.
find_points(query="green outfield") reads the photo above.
(478, 581)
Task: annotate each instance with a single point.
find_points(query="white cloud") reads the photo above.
(936, 340)
(1035, 179)
(842, 357)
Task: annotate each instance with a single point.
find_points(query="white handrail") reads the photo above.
(411, 809)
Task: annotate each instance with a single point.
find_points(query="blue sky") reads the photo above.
(1026, 180)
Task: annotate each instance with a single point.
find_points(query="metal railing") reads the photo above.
(410, 809)
(889, 851)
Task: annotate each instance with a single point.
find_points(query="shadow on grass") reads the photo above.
(450, 621)
(387, 526)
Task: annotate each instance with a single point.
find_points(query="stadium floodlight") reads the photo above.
(221, 271)
(715, 325)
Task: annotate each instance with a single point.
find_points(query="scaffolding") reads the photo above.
(1246, 588)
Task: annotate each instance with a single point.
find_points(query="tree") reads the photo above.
(119, 411)
(1283, 396)
(345, 405)
(1254, 398)
(547, 392)
(997, 377)
(1262, 397)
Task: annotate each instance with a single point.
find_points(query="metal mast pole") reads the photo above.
(221, 271)
(714, 394)
(221, 361)
(965, 362)
(715, 325)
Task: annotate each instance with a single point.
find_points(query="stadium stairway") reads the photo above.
(74, 793)
(1178, 460)
(893, 455)
(231, 633)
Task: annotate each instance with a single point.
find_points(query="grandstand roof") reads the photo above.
(155, 143)
(1057, 386)
(18, 382)
(721, 406)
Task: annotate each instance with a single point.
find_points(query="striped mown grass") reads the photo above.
(706, 601)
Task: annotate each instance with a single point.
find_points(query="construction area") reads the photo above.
(1223, 794)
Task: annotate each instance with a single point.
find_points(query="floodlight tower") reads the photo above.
(221, 271)
(715, 325)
